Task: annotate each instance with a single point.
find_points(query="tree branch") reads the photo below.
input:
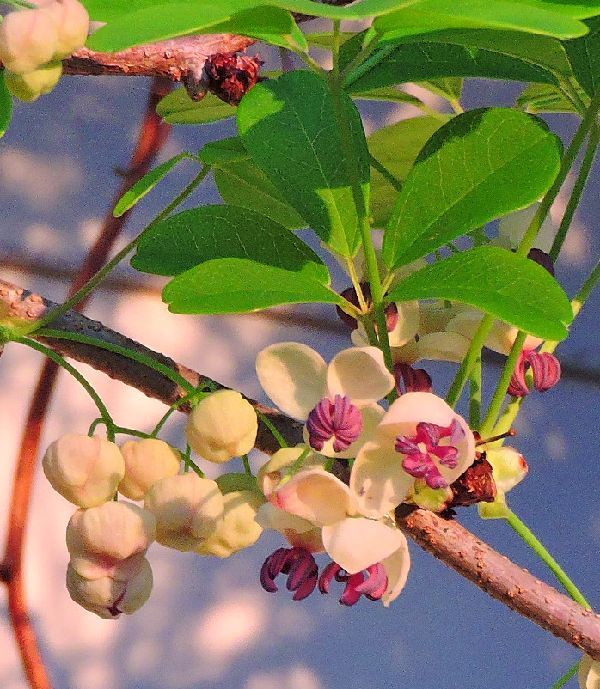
(447, 540)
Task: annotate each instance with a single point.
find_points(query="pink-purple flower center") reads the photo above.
(423, 451)
(545, 368)
(339, 419)
(303, 576)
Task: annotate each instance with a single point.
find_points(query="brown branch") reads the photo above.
(175, 60)
(501, 578)
(447, 540)
(153, 134)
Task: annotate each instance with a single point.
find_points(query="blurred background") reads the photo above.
(208, 624)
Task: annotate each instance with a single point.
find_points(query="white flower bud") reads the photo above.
(146, 462)
(30, 86)
(108, 597)
(109, 540)
(509, 467)
(28, 39)
(276, 468)
(239, 528)
(222, 426)
(188, 510)
(73, 24)
(86, 471)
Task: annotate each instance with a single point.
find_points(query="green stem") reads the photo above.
(540, 550)
(362, 212)
(503, 383)
(364, 62)
(475, 395)
(474, 353)
(246, 463)
(274, 432)
(567, 677)
(197, 394)
(396, 183)
(148, 361)
(58, 359)
(584, 171)
(96, 279)
(569, 158)
(586, 289)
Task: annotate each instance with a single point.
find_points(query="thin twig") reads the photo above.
(153, 134)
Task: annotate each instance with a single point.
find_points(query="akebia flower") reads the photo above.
(353, 542)
(72, 23)
(28, 40)
(146, 462)
(338, 400)
(30, 86)
(509, 468)
(545, 370)
(223, 425)
(420, 437)
(86, 471)
(188, 510)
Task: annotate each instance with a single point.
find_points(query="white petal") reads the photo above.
(435, 316)
(407, 325)
(294, 377)
(316, 495)
(408, 410)
(298, 531)
(396, 567)
(360, 374)
(356, 544)
(589, 673)
(378, 480)
(513, 226)
(359, 336)
(442, 346)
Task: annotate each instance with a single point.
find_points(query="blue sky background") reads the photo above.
(208, 624)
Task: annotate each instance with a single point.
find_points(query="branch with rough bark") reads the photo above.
(446, 540)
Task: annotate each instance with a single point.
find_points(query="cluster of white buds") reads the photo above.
(34, 41)
(107, 540)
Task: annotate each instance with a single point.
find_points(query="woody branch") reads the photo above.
(447, 540)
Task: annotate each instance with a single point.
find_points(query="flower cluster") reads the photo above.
(107, 540)
(34, 41)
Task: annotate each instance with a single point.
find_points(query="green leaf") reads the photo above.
(178, 108)
(449, 88)
(289, 126)
(146, 184)
(510, 287)
(241, 183)
(239, 285)
(194, 236)
(573, 8)
(396, 148)
(427, 16)
(148, 24)
(539, 98)
(584, 54)
(390, 94)
(480, 166)
(475, 53)
(233, 481)
(5, 106)
(229, 150)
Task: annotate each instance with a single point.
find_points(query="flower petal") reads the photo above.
(293, 375)
(299, 532)
(408, 323)
(357, 543)
(589, 673)
(396, 567)
(360, 374)
(316, 495)
(442, 346)
(378, 479)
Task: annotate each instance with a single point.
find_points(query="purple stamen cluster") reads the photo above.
(300, 567)
(339, 419)
(372, 584)
(303, 575)
(545, 368)
(409, 379)
(423, 451)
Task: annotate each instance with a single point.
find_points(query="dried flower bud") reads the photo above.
(222, 426)
(72, 22)
(109, 540)
(476, 485)
(230, 76)
(86, 471)
(239, 528)
(146, 462)
(108, 597)
(28, 39)
(188, 510)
